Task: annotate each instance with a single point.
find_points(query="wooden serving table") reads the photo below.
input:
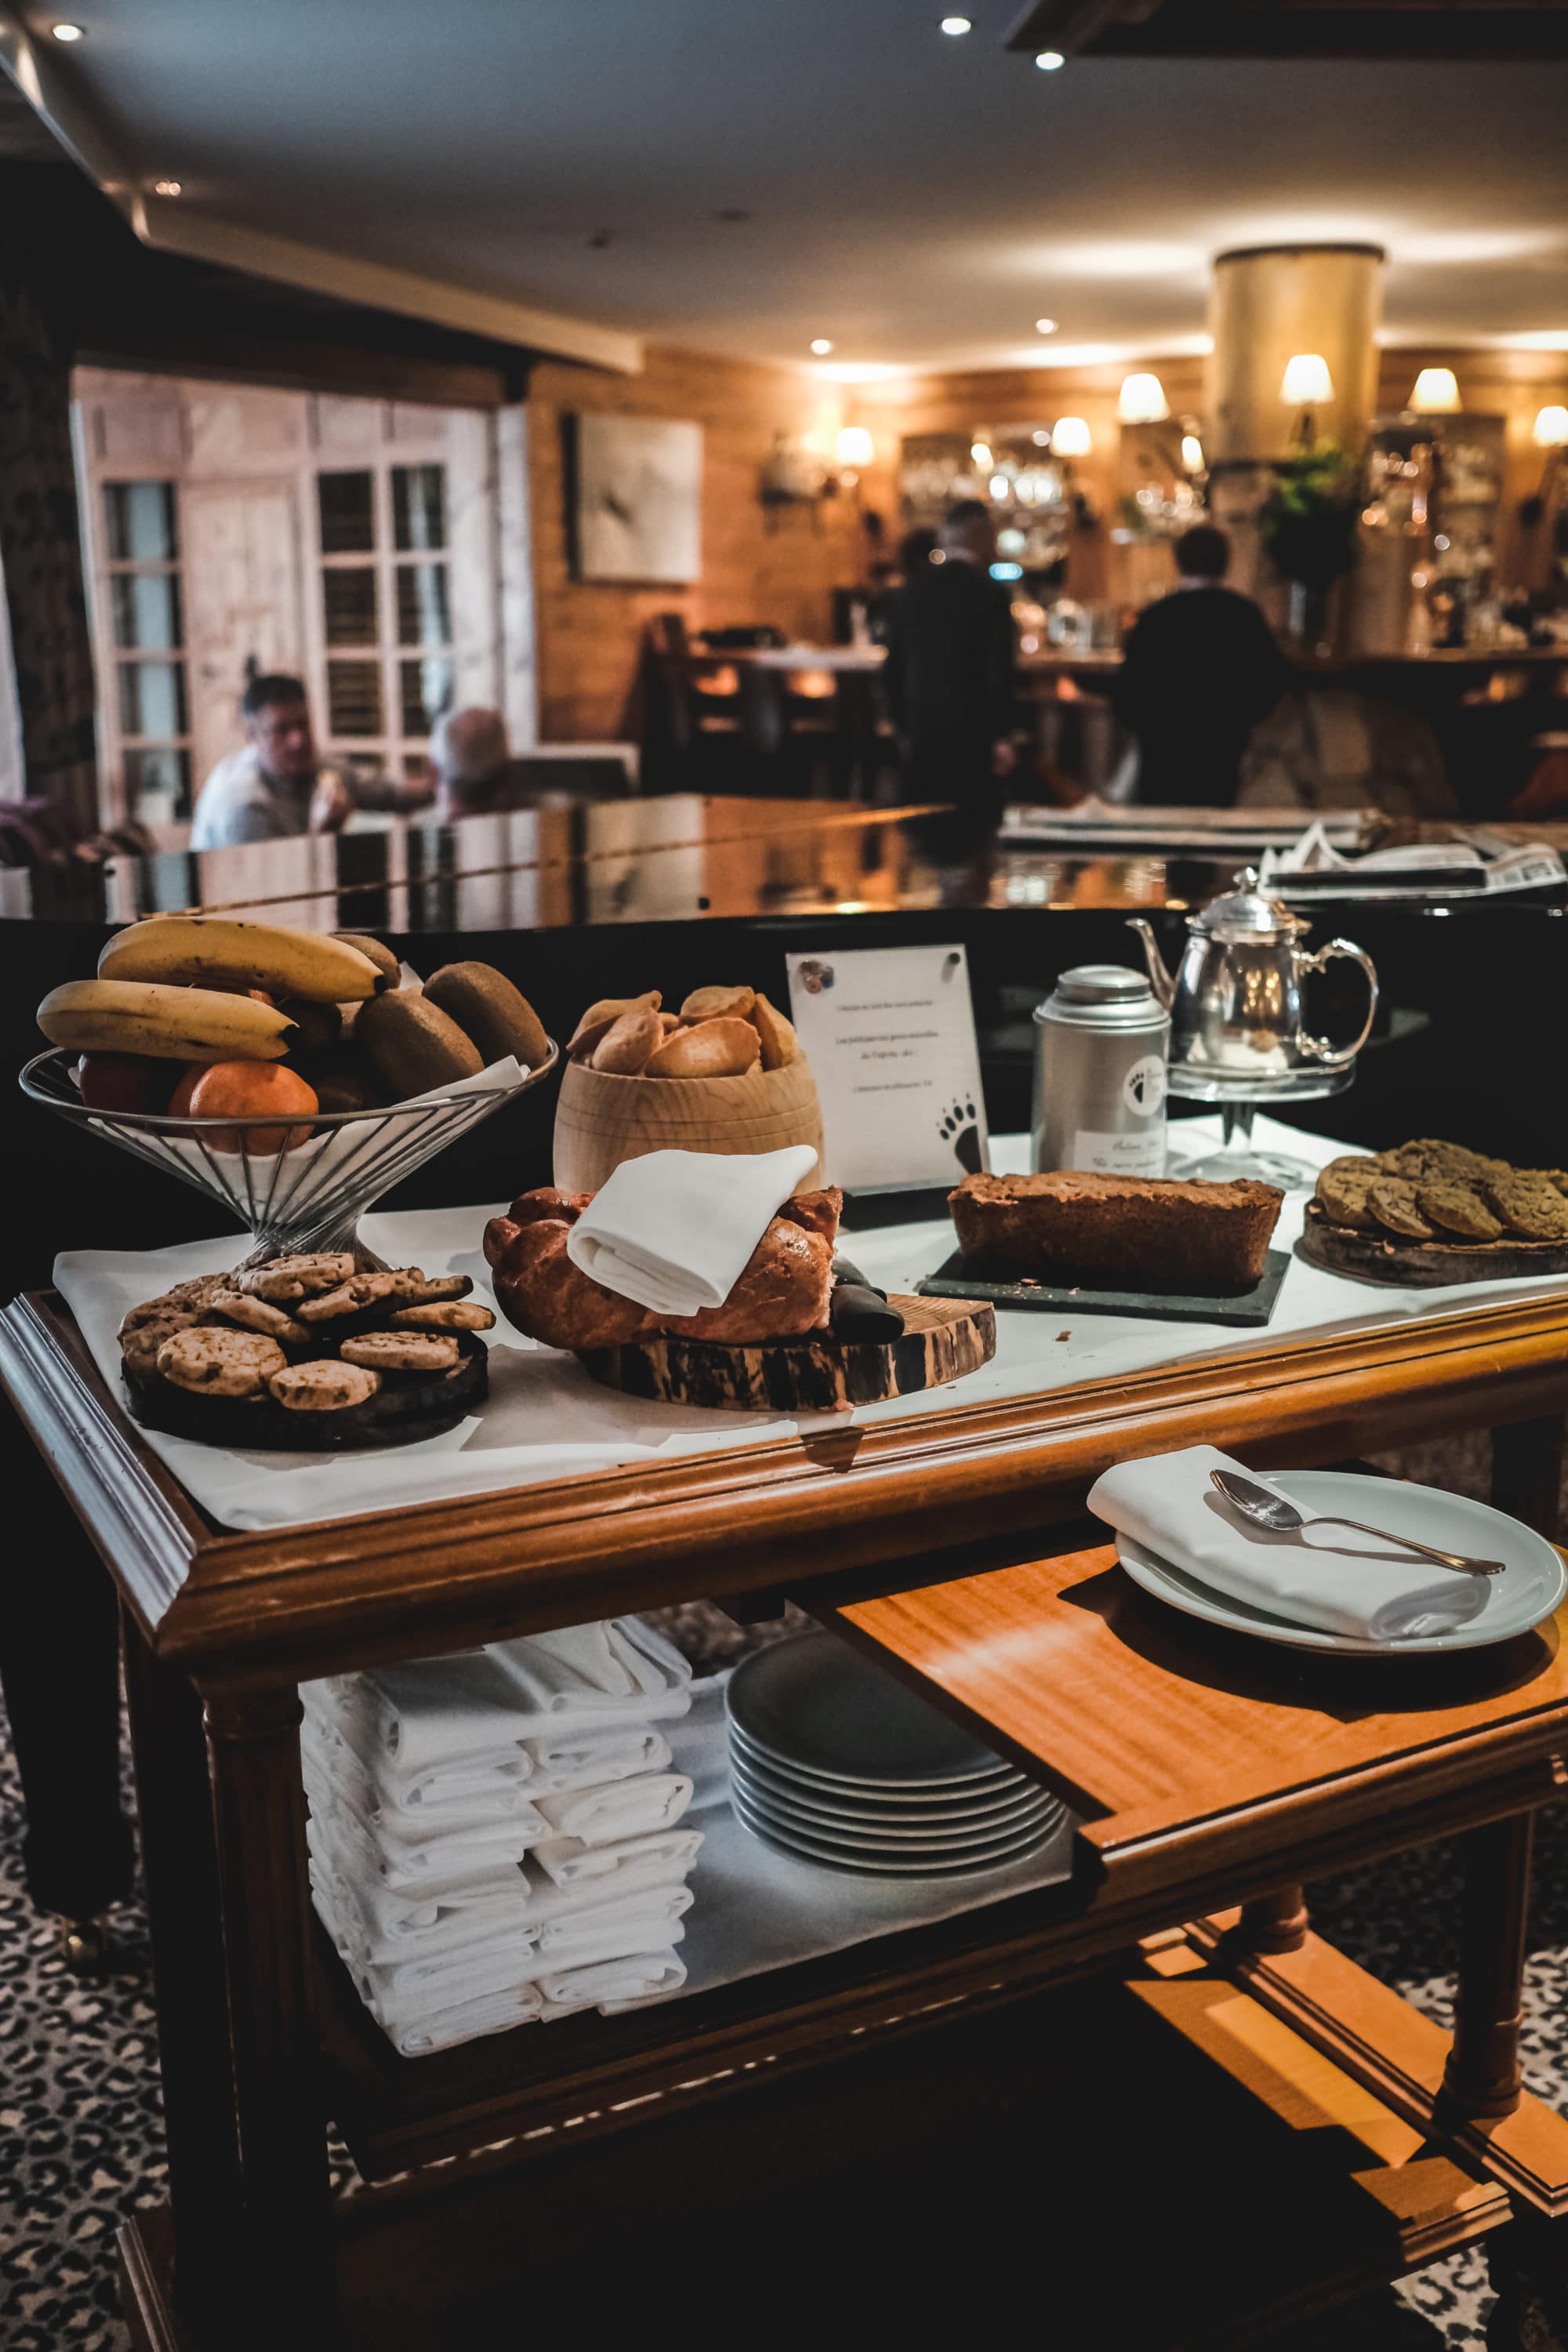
(1212, 1776)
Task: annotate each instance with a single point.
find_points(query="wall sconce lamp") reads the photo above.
(1070, 437)
(1550, 432)
(1142, 401)
(854, 450)
(1436, 393)
(1307, 385)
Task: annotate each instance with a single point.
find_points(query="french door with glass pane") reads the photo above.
(386, 626)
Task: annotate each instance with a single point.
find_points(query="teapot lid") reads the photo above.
(1246, 912)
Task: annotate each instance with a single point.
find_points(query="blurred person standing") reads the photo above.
(951, 671)
(1200, 668)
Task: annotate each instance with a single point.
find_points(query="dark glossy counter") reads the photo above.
(614, 897)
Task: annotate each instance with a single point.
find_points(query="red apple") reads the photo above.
(118, 1082)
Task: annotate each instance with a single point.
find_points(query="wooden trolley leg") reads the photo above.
(258, 1810)
(1527, 1472)
(1482, 2076)
(1273, 1923)
(179, 1859)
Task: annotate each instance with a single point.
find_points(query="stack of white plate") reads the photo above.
(832, 1761)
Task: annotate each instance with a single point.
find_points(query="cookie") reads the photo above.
(1392, 1203)
(1430, 1160)
(220, 1363)
(1341, 1193)
(402, 1352)
(139, 1343)
(327, 1387)
(447, 1315)
(191, 1296)
(285, 1279)
(1529, 1205)
(254, 1314)
(1458, 1209)
(441, 1287)
(363, 1290)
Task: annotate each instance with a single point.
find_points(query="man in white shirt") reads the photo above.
(276, 786)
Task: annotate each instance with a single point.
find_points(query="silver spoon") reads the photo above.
(1265, 1509)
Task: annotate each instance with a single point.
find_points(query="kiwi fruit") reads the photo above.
(488, 1008)
(414, 1046)
(319, 1028)
(378, 952)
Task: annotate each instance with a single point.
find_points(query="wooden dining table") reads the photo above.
(1211, 1776)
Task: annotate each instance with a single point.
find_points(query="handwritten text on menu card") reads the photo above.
(890, 1034)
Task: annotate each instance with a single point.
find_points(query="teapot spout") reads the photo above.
(1160, 979)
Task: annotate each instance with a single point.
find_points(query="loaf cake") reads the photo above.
(1139, 1231)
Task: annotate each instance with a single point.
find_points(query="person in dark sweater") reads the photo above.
(1201, 668)
(950, 672)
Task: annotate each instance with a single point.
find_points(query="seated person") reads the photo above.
(277, 785)
(472, 767)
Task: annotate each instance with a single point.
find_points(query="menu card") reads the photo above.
(889, 1034)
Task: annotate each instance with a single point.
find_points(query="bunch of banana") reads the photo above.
(212, 952)
(172, 1025)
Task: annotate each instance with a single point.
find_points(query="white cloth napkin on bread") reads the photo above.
(1324, 1576)
(674, 1229)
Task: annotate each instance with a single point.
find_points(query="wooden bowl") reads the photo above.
(602, 1119)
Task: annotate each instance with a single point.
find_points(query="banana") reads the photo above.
(174, 1024)
(208, 950)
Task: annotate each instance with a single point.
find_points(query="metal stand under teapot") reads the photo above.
(1238, 1035)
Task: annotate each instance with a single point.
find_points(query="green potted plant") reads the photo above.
(1308, 527)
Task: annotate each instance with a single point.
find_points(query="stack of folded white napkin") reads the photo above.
(494, 1837)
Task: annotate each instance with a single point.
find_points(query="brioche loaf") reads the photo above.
(1071, 1226)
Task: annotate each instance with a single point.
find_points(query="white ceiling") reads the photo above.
(919, 199)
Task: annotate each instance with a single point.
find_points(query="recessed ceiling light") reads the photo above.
(957, 24)
(166, 187)
(1045, 326)
(1049, 60)
(822, 347)
(67, 32)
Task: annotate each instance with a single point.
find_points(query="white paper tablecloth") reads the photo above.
(546, 1420)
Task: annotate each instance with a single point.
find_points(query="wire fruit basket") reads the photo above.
(300, 1185)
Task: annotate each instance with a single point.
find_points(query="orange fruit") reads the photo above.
(180, 1100)
(247, 1091)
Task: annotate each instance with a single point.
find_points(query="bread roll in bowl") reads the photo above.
(714, 1049)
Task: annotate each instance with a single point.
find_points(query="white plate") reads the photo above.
(835, 1830)
(878, 1811)
(815, 1703)
(1003, 1780)
(1529, 1588)
(824, 1857)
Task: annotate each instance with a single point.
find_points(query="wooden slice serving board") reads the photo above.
(1423, 1266)
(942, 1339)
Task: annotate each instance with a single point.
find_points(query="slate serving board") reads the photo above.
(962, 1277)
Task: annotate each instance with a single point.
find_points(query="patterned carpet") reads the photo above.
(79, 2124)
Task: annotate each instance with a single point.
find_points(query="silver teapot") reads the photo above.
(1236, 1003)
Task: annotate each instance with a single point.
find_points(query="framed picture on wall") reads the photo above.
(635, 489)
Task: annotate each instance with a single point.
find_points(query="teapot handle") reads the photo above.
(1334, 1057)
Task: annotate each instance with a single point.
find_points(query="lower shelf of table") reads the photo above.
(1148, 2157)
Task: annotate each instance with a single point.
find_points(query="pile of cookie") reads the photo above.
(1431, 1192)
(307, 1351)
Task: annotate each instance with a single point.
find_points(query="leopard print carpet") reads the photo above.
(80, 2120)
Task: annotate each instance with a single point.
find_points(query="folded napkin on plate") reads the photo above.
(569, 1863)
(423, 1715)
(674, 1229)
(641, 1974)
(1168, 1504)
(621, 1809)
(594, 1677)
(588, 1758)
